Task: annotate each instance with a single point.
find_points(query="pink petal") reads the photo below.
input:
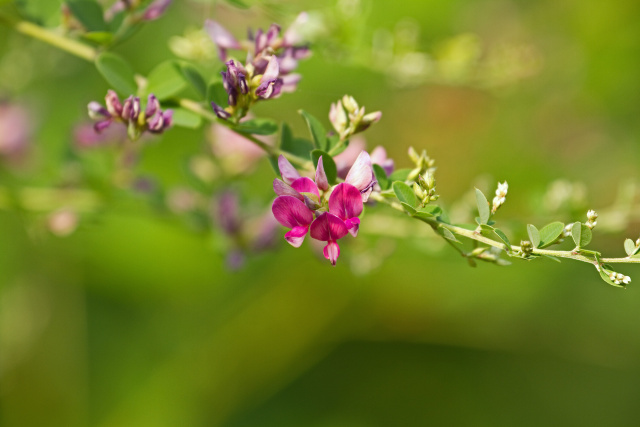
(291, 212)
(361, 173)
(353, 225)
(290, 82)
(345, 201)
(321, 176)
(296, 236)
(292, 35)
(282, 189)
(328, 227)
(347, 158)
(272, 71)
(331, 252)
(220, 35)
(305, 185)
(288, 172)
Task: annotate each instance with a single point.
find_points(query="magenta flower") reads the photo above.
(336, 209)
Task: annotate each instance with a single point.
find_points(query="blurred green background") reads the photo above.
(135, 319)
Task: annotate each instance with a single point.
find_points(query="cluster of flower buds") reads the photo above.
(501, 196)
(526, 247)
(328, 213)
(619, 278)
(267, 71)
(592, 216)
(425, 188)
(151, 119)
(424, 164)
(348, 118)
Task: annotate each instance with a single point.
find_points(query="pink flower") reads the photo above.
(336, 209)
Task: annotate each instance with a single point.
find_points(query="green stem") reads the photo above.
(71, 46)
(471, 234)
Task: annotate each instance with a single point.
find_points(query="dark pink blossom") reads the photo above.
(329, 228)
(293, 214)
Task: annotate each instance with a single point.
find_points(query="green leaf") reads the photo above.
(258, 127)
(100, 37)
(408, 208)
(217, 94)
(534, 235)
(433, 210)
(447, 234)
(117, 72)
(193, 76)
(502, 237)
(487, 229)
(405, 194)
(238, 3)
(329, 165)
(400, 175)
(381, 177)
(581, 234)
(185, 118)
(165, 80)
(117, 21)
(550, 233)
(483, 207)
(629, 247)
(318, 134)
(89, 13)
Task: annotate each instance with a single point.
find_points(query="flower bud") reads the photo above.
(350, 104)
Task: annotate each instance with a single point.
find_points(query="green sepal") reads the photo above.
(405, 194)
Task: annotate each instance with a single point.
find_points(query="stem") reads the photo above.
(71, 46)
(470, 234)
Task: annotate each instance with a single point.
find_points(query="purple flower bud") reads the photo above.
(272, 33)
(97, 111)
(156, 10)
(168, 118)
(220, 112)
(153, 105)
(301, 52)
(129, 109)
(113, 103)
(321, 177)
(221, 37)
(156, 124)
(287, 62)
(261, 41)
(242, 82)
(102, 125)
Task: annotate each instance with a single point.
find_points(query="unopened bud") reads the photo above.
(526, 246)
(350, 104)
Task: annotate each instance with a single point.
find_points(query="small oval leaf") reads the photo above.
(165, 80)
(117, 72)
(257, 127)
(381, 177)
(550, 233)
(483, 207)
(405, 194)
(629, 247)
(318, 134)
(502, 237)
(534, 235)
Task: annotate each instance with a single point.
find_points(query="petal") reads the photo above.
(321, 177)
(97, 111)
(361, 173)
(288, 172)
(292, 35)
(153, 105)
(353, 225)
(331, 252)
(220, 35)
(272, 71)
(283, 189)
(345, 201)
(156, 9)
(296, 236)
(291, 212)
(328, 227)
(305, 185)
(100, 126)
(290, 82)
